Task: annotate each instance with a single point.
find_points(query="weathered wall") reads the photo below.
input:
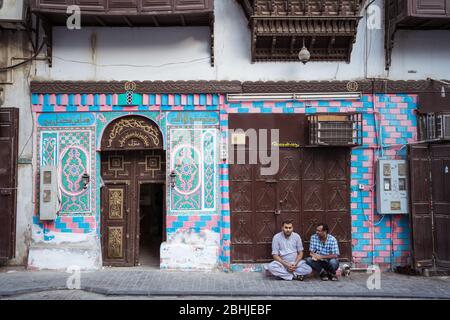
(65, 122)
(373, 236)
(183, 54)
(15, 83)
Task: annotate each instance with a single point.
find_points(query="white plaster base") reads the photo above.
(42, 258)
(59, 251)
(190, 251)
(187, 257)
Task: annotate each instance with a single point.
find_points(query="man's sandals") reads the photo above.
(299, 278)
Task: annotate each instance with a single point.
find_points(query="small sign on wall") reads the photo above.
(238, 138)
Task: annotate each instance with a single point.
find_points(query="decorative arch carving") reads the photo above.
(132, 133)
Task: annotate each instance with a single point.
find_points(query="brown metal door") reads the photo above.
(310, 187)
(326, 195)
(9, 133)
(440, 175)
(259, 203)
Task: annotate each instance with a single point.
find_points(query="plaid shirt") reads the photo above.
(329, 247)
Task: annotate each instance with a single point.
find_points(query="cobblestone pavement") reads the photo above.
(153, 283)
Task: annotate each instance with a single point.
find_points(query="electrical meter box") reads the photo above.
(49, 203)
(392, 187)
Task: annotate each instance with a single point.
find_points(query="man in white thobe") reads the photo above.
(287, 251)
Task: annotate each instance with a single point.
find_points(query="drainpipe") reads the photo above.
(379, 143)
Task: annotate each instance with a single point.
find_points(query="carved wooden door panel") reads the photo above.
(118, 204)
(117, 250)
(326, 195)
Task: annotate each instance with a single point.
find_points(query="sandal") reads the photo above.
(324, 276)
(333, 277)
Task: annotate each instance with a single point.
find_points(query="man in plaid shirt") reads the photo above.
(324, 251)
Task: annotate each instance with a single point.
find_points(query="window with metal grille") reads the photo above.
(434, 126)
(335, 130)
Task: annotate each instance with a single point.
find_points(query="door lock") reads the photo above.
(277, 212)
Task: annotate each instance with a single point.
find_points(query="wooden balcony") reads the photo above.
(281, 27)
(414, 15)
(129, 13)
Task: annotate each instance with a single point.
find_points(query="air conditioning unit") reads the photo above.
(12, 13)
(335, 130)
(434, 126)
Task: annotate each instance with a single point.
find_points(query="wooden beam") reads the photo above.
(128, 21)
(274, 43)
(155, 21)
(331, 43)
(100, 21)
(293, 41)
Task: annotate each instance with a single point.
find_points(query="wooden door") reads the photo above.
(420, 199)
(122, 173)
(118, 199)
(116, 223)
(440, 175)
(9, 135)
(429, 166)
(149, 168)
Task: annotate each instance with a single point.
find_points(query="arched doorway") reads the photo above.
(133, 196)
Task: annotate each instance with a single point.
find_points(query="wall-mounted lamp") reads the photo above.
(172, 176)
(304, 55)
(86, 179)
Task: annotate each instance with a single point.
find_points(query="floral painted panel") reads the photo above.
(74, 161)
(193, 161)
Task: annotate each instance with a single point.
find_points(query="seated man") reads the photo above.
(287, 251)
(324, 251)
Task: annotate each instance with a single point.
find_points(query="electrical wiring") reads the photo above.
(4, 69)
(132, 65)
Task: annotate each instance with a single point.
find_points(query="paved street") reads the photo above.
(151, 283)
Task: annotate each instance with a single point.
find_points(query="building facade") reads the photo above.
(133, 126)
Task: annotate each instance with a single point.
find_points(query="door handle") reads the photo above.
(277, 212)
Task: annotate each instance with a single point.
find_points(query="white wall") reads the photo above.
(183, 54)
